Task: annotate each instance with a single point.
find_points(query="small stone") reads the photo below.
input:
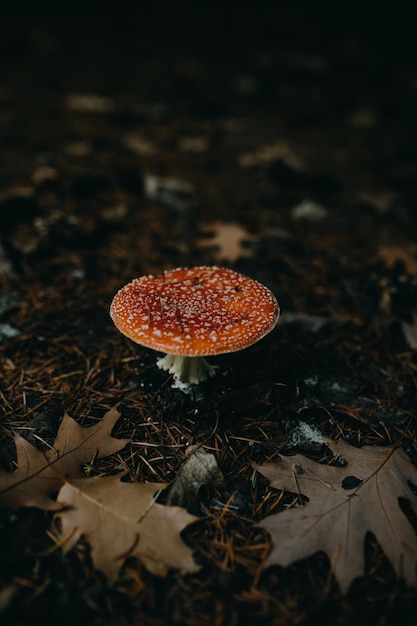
(309, 211)
(8, 332)
(172, 192)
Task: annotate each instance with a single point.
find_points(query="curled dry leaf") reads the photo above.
(39, 475)
(121, 520)
(336, 520)
(199, 468)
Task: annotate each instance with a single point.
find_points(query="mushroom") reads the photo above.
(191, 313)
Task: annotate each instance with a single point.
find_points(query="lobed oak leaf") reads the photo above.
(406, 254)
(121, 520)
(336, 520)
(77, 445)
(39, 475)
(32, 483)
(227, 240)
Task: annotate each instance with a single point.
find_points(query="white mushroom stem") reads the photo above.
(189, 370)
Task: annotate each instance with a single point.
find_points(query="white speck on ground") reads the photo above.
(306, 434)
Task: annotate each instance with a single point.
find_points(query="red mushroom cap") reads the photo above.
(196, 311)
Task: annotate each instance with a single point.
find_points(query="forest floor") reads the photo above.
(279, 143)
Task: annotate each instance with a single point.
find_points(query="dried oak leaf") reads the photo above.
(39, 475)
(121, 520)
(406, 254)
(227, 239)
(336, 520)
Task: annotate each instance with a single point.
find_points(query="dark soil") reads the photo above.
(299, 124)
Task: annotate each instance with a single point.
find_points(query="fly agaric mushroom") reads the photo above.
(190, 313)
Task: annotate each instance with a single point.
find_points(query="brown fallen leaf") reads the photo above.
(226, 239)
(406, 254)
(39, 475)
(121, 520)
(266, 154)
(199, 468)
(336, 520)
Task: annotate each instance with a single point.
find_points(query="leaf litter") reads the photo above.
(335, 520)
(118, 519)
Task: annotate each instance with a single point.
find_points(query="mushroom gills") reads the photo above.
(188, 370)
